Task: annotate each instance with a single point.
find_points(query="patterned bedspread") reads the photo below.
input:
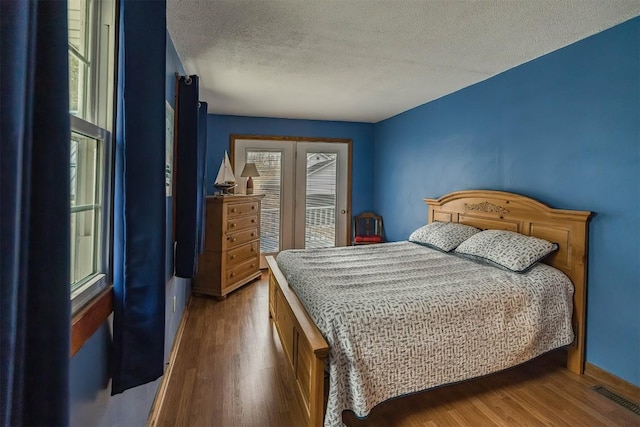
(400, 318)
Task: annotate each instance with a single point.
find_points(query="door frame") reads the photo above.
(348, 141)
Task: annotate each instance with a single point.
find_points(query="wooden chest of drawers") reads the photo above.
(231, 255)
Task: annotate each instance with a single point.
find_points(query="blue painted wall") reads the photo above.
(564, 129)
(178, 288)
(220, 127)
(90, 389)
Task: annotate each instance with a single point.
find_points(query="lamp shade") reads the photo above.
(250, 170)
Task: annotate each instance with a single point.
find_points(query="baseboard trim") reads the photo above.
(158, 401)
(615, 383)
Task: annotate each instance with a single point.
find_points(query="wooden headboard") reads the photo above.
(500, 210)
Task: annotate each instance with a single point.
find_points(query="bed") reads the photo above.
(426, 351)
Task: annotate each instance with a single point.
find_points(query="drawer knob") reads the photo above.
(233, 239)
(253, 207)
(253, 221)
(233, 257)
(253, 234)
(253, 249)
(233, 224)
(253, 265)
(234, 210)
(233, 274)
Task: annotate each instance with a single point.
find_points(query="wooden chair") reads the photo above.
(367, 229)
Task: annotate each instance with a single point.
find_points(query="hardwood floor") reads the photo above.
(228, 373)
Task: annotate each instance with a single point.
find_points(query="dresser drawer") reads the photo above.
(240, 237)
(243, 270)
(241, 223)
(238, 209)
(244, 252)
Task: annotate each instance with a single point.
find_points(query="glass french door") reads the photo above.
(321, 203)
(305, 191)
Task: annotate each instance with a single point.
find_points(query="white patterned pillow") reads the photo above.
(506, 249)
(444, 236)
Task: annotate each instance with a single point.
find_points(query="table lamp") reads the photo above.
(249, 172)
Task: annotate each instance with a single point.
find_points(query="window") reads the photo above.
(91, 89)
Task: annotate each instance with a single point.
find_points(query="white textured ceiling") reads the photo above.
(366, 60)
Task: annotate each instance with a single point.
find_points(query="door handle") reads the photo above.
(343, 211)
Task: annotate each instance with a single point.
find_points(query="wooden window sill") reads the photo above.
(87, 321)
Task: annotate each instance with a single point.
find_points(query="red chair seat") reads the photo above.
(368, 239)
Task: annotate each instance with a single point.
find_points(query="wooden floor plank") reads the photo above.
(229, 372)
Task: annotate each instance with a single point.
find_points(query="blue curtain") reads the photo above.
(190, 170)
(202, 172)
(139, 208)
(35, 229)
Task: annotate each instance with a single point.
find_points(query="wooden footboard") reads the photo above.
(304, 346)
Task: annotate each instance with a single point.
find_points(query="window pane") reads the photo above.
(77, 24)
(73, 163)
(79, 56)
(269, 164)
(83, 246)
(74, 71)
(78, 72)
(84, 170)
(320, 205)
(85, 173)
